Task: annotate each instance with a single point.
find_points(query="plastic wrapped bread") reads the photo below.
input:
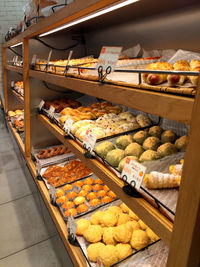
(158, 180)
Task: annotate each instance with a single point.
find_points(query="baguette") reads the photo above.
(176, 79)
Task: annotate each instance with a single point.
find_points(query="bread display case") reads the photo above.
(144, 83)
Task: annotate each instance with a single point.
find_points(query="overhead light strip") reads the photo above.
(91, 16)
(16, 44)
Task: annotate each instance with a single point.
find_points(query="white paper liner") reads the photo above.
(42, 171)
(146, 254)
(54, 159)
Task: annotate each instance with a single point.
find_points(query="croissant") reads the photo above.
(176, 79)
(158, 180)
(155, 79)
(195, 66)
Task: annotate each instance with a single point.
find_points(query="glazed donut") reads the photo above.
(42, 154)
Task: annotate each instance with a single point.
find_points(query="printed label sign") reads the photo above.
(51, 111)
(38, 166)
(89, 140)
(133, 173)
(33, 61)
(72, 226)
(99, 263)
(12, 84)
(52, 193)
(49, 57)
(68, 124)
(41, 104)
(108, 57)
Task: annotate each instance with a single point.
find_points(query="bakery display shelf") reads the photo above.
(152, 216)
(163, 105)
(15, 69)
(17, 137)
(18, 96)
(75, 252)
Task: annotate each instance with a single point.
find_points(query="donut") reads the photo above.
(42, 154)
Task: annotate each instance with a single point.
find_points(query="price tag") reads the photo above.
(133, 173)
(52, 193)
(41, 104)
(49, 57)
(38, 166)
(108, 57)
(89, 140)
(51, 111)
(99, 263)
(33, 60)
(68, 124)
(12, 84)
(72, 226)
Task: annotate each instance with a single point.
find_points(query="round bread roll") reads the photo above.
(134, 225)
(93, 251)
(82, 226)
(139, 239)
(108, 219)
(123, 250)
(108, 237)
(93, 233)
(152, 236)
(122, 233)
(108, 255)
(95, 218)
(123, 218)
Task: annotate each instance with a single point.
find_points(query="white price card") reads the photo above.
(51, 111)
(41, 104)
(52, 193)
(109, 56)
(68, 124)
(12, 84)
(89, 140)
(49, 57)
(72, 226)
(133, 173)
(99, 263)
(38, 166)
(33, 60)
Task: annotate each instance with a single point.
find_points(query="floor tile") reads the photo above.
(13, 185)
(9, 160)
(39, 255)
(21, 226)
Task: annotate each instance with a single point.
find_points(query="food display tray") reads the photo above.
(42, 171)
(52, 160)
(156, 249)
(90, 208)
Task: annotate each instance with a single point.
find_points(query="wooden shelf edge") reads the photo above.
(17, 137)
(15, 69)
(74, 252)
(163, 105)
(18, 96)
(151, 216)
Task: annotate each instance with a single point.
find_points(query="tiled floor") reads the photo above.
(24, 239)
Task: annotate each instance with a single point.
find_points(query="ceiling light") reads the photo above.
(16, 44)
(91, 16)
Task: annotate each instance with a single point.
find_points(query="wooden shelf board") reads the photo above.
(15, 69)
(17, 137)
(151, 216)
(18, 96)
(164, 105)
(74, 252)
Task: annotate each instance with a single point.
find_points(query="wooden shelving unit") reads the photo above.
(182, 236)
(18, 96)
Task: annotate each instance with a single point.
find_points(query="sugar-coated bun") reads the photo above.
(93, 233)
(139, 239)
(123, 250)
(93, 251)
(108, 255)
(82, 225)
(122, 233)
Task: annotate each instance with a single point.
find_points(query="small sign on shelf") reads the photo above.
(89, 140)
(68, 124)
(133, 173)
(108, 57)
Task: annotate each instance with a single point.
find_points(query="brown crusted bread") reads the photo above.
(195, 66)
(176, 79)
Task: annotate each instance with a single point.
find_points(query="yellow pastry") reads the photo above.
(95, 218)
(152, 236)
(115, 209)
(122, 233)
(108, 219)
(123, 250)
(133, 215)
(79, 200)
(108, 255)
(139, 239)
(108, 237)
(142, 225)
(124, 208)
(93, 233)
(123, 218)
(134, 225)
(93, 251)
(158, 180)
(82, 226)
